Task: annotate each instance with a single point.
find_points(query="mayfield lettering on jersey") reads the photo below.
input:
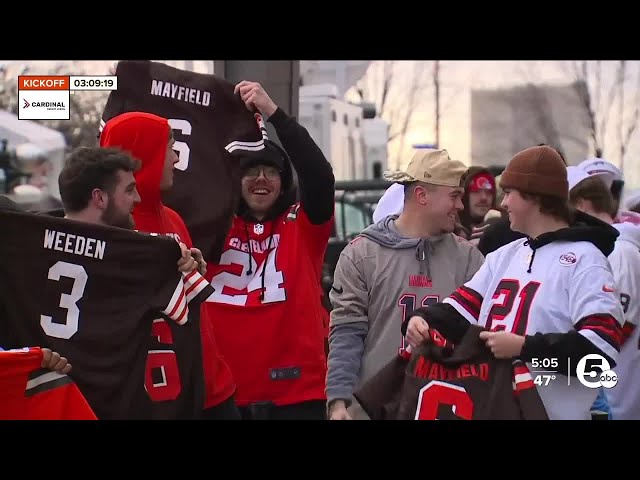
(425, 368)
(195, 105)
(441, 381)
(180, 92)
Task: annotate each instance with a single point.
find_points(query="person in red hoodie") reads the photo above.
(267, 307)
(149, 139)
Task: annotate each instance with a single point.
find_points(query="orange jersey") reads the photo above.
(30, 392)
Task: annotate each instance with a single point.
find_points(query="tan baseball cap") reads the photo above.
(430, 166)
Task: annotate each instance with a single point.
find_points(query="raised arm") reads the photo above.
(315, 175)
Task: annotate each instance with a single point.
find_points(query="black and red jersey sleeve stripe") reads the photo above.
(607, 330)
(468, 299)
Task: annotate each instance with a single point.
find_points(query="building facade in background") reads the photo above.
(352, 136)
(505, 121)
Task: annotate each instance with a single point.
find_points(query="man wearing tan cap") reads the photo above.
(548, 299)
(401, 263)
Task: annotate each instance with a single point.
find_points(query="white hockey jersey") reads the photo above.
(624, 398)
(560, 286)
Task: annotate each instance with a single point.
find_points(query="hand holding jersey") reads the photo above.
(195, 105)
(554, 288)
(501, 344)
(186, 263)
(417, 331)
(54, 361)
(269, 270)
(149, 138)
(254, 97)
(201, 263)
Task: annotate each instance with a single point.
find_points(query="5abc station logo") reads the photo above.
(594, 371)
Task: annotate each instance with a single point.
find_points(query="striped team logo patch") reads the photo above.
(43, 379)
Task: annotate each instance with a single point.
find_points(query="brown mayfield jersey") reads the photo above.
(92, 294)
(211, 126)
(439, 381)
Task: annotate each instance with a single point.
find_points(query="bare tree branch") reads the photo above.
(387, 79)
(544, 124)
(606, 108)
(581, 85)
(621, 84)
(633, 121)
(396, 95)
(418, 70)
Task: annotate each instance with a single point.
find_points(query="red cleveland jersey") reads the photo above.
(267, 308)
(30, 392)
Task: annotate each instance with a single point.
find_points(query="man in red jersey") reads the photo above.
(267, 308)
(149, 139)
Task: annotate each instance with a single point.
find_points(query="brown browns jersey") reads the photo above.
(92, 294)
(211, 126)
(439, 381)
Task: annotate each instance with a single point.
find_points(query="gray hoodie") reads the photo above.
(380, 278)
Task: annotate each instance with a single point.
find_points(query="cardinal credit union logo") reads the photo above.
(43, 97)
(594, 371)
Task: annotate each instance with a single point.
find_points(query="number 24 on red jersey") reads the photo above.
(240, 282)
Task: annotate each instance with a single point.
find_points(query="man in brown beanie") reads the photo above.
(549, 298)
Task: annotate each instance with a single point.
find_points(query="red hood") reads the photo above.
(145, 137)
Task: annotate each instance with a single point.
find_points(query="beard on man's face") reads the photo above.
(115, 218)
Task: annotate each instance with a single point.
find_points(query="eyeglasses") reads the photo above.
(270, 173)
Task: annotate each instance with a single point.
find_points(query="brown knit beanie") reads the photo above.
(537, 170)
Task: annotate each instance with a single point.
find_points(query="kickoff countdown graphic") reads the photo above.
(46, 97)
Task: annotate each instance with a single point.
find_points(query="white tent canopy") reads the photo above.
(20, 132)
(25, 131)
